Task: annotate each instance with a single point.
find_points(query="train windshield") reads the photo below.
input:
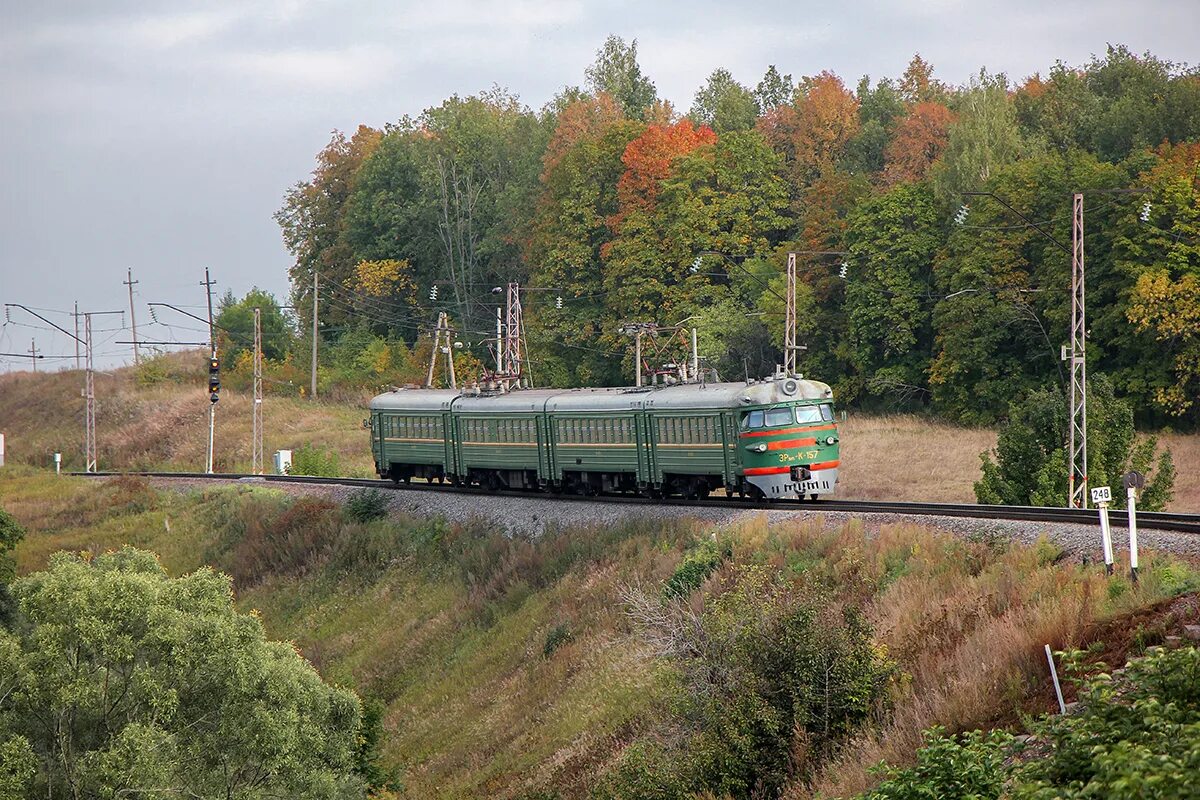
(809, 415)
(778, 416)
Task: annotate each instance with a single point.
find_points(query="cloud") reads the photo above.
(346, 68)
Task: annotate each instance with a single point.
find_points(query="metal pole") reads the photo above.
(129, 281)
(313, 382)
(256, 455)
(1077, 440)
(89, 446)
(433, 354)
(789, 333)
(1062, 707)
(637, 355)
(499, 342)
(212, 407)
(1106, 535)
(75, 316)
(695, 357)
(1131, 504)
(33, 353)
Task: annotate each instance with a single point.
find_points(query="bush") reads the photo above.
(365, 505)
(1031, 458)
(697, 564)
(315, 461)
(1138, 736)
(559, 635)
(969, 768)
(165, 684)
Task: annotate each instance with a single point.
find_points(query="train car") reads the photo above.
(773, 438)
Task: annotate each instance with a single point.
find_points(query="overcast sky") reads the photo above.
(162, 136)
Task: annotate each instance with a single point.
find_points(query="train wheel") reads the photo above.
(813, 497)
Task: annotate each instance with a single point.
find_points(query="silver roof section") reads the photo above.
(415, 400)
(657, 398)
(520, 401)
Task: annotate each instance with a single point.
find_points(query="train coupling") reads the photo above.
(801, 474)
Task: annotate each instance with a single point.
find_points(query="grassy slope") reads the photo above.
(451, 636)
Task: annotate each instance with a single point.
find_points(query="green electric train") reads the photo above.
(772, 438)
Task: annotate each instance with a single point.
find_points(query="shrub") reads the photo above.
(1138, 736)
(365, 505)
(309, 459)
(1031, 459)
(166, 684)
(559, 635)
(290, 541)
(11, 534)
(969, 768)
(697, 564)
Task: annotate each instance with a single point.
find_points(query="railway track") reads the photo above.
(1150, 520)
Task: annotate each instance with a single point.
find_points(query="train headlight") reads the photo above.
(757, 448)
(830, 440)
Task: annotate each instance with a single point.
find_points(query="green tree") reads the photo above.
(235, 321)
(984, 138)
(892, 240)
(774, 90)
(1030, 466)
(122, 681)
(11, 534)
(724, 105)
(616, 71)
(879, 110)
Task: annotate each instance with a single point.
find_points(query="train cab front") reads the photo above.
(789, 449)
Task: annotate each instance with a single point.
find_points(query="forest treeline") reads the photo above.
(612, 206)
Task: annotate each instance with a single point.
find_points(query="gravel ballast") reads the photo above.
(530, 515)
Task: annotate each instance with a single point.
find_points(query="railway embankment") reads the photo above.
(612, 651)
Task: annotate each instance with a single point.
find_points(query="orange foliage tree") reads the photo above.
(812, 133)
(647, 161)
(919, 140)
(580, 120)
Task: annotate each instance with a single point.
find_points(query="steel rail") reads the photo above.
(1153, 520)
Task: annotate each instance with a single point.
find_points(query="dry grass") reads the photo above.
(165, 425)
(1185, 448)
(906, 457)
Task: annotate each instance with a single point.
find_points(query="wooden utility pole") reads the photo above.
(313, 385)
(256, 457)
(129, 281)
(446, 333)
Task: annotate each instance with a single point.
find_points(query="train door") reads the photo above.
(544, 448)
(728, 435)
(450, 440)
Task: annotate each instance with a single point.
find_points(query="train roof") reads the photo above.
(682, 396)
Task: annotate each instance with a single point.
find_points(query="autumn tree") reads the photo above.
(724, 105)
(647, 161)
(917, 84)
(826, 119)
(918, 142)
(313, 213)
(616, 72)
(1160, 245)
(579, 120)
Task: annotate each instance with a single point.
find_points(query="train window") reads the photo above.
(778, 416)
(752, 420)
(827, 412)
(806, 415)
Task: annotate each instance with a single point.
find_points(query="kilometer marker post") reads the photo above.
(1133, 481)
(1102, 496)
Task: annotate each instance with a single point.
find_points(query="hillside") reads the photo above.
(573, 664)
(164, 425)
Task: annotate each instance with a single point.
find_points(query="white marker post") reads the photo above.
(58, 463)
(1102, 496)
(1133, 482)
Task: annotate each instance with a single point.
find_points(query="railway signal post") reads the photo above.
(1133, 482)
(256, 456)
(214, 379)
